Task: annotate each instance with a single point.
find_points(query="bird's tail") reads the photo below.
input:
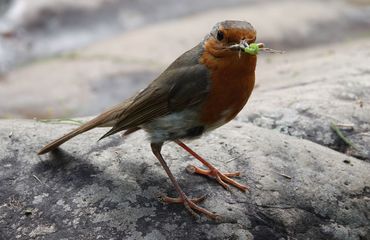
(106, 119)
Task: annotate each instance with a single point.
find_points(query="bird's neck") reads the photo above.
(243, 63)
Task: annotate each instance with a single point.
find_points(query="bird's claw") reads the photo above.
(166, 199)
(190, 204)
(222, 178)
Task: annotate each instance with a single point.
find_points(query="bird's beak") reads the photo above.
(243, 44)
(240, 46)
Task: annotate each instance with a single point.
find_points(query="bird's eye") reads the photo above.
(220, 35)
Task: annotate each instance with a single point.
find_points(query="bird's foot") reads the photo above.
(191, 205)
(222, 178)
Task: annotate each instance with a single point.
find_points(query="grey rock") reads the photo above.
(108, 189)
(303, 93)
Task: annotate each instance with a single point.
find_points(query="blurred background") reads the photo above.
(65, 58)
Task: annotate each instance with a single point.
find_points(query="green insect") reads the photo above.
(252, 49)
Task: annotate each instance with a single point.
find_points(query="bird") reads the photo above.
(203, 89)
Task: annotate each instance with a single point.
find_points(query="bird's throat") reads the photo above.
(232, 82)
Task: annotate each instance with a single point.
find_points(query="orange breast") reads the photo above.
(232, 82)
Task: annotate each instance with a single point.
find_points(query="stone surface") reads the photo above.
(108, 189)
(304, 92)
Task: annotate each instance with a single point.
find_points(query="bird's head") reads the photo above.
(229, 38)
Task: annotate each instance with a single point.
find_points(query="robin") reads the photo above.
(201, 90)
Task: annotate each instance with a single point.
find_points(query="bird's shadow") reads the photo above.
(61, 161)
(64, 170)
(61, 167)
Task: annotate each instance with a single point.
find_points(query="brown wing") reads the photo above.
(184, 84)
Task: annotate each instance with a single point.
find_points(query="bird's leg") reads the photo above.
(222, 178)
(190, 204)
